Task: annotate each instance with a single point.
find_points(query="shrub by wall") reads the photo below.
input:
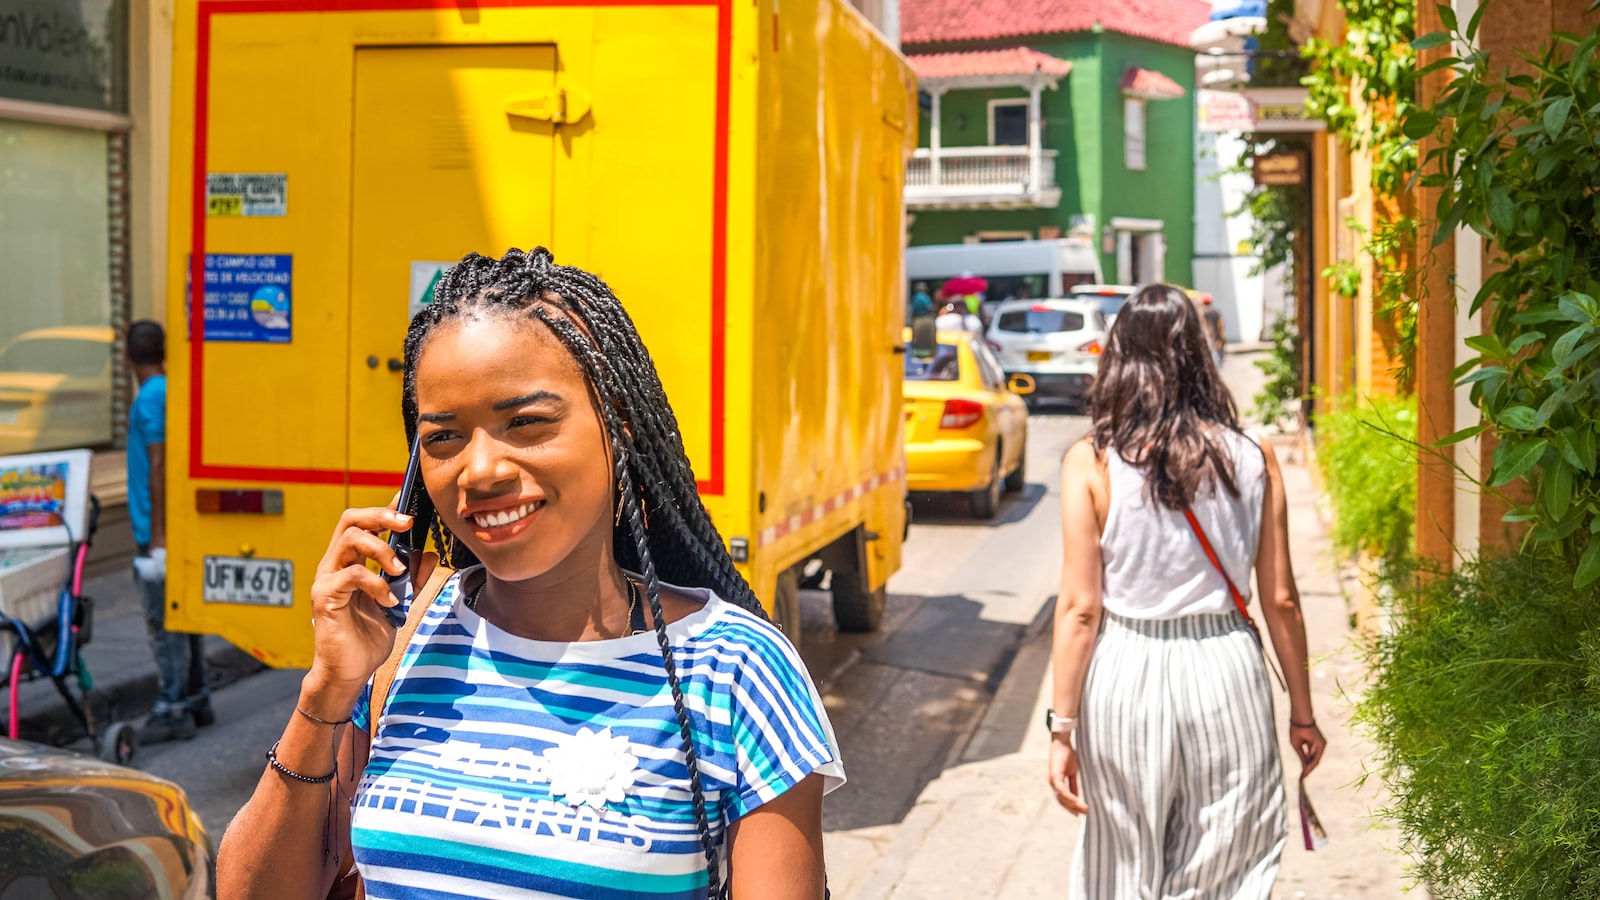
(1366, 452)
(1485, 709)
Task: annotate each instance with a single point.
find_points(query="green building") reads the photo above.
(1044, 119)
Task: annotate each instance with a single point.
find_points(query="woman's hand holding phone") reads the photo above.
(349, 602)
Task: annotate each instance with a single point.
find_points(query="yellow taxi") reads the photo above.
(966, 431)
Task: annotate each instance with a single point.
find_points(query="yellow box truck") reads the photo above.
(733, 169)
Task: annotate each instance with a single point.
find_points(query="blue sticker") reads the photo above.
(249, 297)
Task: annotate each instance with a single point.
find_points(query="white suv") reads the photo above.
(1055, 342)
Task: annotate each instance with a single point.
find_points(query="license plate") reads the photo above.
(1039, 355)
(255, 582)
(10, 416)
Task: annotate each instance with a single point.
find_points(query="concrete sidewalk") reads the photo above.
(989, 826)
(119, 661)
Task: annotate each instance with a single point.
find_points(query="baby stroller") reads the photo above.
(45, 620)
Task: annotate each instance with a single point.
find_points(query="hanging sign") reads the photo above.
(1277, 169)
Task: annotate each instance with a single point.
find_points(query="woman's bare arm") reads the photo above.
(1078, 607)
(275, 845)
(285, 842)
(776, 850)
(1280, 606)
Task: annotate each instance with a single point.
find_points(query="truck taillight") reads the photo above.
(210, 500)
(961, 414)
(1092, 348)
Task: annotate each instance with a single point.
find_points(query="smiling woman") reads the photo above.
(592, 704)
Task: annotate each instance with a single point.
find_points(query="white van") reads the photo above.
(1043, 268)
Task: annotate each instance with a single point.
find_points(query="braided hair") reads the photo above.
(663, 530)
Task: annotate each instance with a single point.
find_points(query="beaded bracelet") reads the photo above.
(272, 760)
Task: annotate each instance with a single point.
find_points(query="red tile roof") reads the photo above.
(1011, 61)
(940, 21)
(1150, 83)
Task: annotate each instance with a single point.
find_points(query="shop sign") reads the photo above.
(1257, 110)
(248, 297)
(1277, 169)
(65, 52)
(1282, 110)
(1224, 111)
(240, 194)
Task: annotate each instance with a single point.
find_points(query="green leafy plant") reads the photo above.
(1344, 278)
(1395, 290)
(1280, 394)
(1366, 451)
(1518, 163)
(1484, 707)
(1364, 87)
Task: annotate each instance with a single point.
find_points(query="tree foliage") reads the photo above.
(1519, 163)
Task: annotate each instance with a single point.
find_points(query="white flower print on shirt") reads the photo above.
(591, 768)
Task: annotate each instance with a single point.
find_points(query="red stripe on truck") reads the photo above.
(712, 485)
(775, 533)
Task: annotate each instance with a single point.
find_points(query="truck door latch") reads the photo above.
(558, 106)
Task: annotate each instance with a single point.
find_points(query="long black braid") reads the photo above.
(663, 530)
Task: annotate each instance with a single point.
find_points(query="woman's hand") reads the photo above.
(1064, 775)
(352, 632)
(1308, 742)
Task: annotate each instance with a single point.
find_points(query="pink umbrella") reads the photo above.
(966, 284)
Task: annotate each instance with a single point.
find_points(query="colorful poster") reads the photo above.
(33, 496)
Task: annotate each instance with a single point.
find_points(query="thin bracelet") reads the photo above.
(1310, 724)
(272, 760)
(343, 721)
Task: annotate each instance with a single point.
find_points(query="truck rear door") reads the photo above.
(442, 164)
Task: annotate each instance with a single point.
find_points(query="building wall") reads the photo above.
(1084, 125)
(1165, 188)
(1071, 124)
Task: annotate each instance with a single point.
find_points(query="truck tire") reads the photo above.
(1018, 479)
(986, 500)
(786, 605)
(856, 608)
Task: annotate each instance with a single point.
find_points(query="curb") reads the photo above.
(126, 698)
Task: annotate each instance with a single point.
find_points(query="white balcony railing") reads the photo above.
(982, 176)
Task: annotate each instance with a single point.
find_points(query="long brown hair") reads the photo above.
(1159, 400)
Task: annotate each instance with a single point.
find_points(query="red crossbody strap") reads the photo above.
(1233, 591)
(1211, 554)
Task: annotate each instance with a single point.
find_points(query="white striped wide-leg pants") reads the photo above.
(1178, 763)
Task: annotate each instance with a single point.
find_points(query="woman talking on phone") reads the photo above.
(592, 705)
(1162, 714)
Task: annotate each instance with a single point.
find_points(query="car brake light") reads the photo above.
(208, 500)
(994, 347)
(1039, 307)
(1092, 348)
(961, 414)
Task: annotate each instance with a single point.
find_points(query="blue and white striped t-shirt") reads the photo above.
(507, 767)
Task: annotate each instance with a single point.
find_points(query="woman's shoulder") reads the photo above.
(745, 631)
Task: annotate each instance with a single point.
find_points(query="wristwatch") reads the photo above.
(1059, 724)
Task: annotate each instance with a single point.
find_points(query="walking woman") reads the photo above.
(1162, 715)
(593, 704)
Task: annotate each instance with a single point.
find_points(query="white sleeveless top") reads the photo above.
(1154, 567)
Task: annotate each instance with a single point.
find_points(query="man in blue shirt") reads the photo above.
(184, 699)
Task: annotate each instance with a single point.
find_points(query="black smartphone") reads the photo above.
(407, 545)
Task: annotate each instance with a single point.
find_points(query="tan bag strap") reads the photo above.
(383, 679)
